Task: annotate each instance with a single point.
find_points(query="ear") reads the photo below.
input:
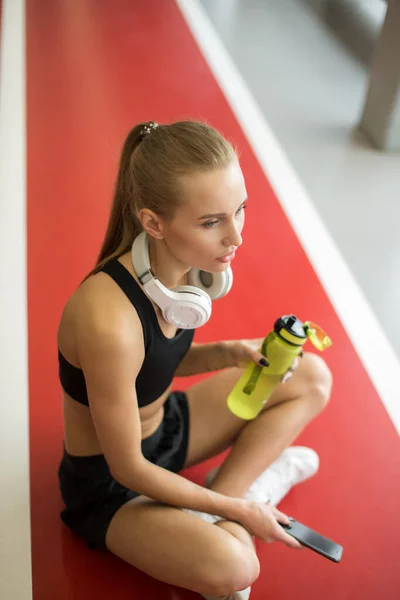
(151, 223)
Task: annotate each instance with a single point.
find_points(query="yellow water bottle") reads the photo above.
(281, 346)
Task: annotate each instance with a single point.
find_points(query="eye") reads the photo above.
(209, 224)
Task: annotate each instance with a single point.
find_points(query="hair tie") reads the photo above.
(147, 129)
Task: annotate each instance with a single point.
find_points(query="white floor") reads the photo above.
(310, 87)
(15, 558)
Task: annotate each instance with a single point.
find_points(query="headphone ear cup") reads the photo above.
(216, 285)
(189, 289)
(193, 305)
(186, 307)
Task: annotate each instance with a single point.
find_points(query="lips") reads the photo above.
(227, 257)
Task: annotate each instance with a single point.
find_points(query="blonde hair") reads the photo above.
(152, 159)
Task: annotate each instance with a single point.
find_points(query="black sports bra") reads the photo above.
(162, 354)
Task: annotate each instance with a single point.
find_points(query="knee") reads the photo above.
(230, 568)
(318, 379)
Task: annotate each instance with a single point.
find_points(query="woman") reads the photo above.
(180, 196)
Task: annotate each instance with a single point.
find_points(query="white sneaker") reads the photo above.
(294, 465)
(204, 516)
(242, 595)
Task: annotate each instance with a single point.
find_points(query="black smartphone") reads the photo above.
(313, 540)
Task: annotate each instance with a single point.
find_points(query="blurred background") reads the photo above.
(326, 75)
(310, 90)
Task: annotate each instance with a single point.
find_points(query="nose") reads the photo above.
(233, 237)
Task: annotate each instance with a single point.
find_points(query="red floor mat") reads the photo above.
(94, 68)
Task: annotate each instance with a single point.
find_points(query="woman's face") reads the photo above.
(206, 229)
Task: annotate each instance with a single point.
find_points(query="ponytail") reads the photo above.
(153, 159)
(123, 225)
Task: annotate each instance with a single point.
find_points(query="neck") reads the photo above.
(167, 269)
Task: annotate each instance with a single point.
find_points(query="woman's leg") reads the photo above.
(255, 444)
(159, 541)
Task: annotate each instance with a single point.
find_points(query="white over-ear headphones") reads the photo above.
(186, 306)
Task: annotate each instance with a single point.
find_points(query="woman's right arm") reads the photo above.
(111, 352)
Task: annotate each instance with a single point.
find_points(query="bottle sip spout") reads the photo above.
(317, 336)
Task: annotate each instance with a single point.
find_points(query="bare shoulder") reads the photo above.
(98, 312)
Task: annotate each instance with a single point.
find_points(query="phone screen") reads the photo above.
(313, 540)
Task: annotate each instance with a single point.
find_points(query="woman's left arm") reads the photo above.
(214, 356)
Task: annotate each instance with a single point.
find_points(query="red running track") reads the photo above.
(94, 68)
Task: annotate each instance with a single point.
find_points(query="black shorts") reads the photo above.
(92, 496)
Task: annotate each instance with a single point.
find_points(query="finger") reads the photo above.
(291, 370)
(294, 365)
(262, 361)
(289, 541)
(259, 358)
(287, 376)
(254, 354)
(280, 516)
(292, 543)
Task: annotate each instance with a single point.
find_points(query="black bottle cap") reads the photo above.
(292, 325)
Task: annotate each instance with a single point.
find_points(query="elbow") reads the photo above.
(129, 475)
